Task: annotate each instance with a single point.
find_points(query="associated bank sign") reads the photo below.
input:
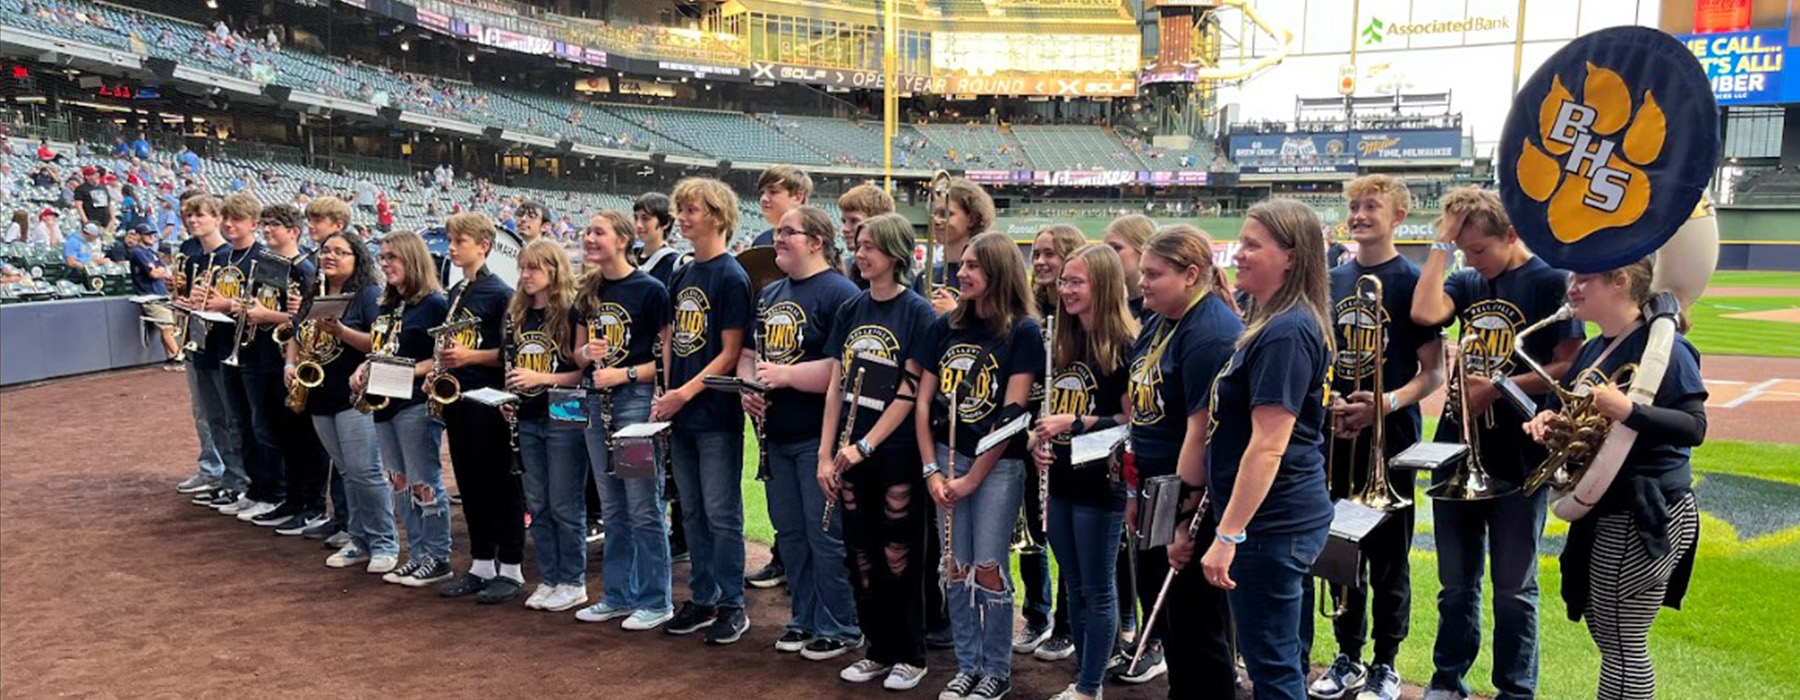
(1377, 31)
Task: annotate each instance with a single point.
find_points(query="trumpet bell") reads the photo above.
(1470, 485)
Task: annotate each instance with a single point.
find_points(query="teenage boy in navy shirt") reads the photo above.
(711, 299)
(781, 189)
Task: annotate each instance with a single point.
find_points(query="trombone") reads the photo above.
(1578, 428)
(1471, 481)
(939, 196)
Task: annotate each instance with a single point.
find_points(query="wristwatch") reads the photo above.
(631, 374)
(863, 447)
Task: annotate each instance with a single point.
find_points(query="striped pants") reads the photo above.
(1625, 593)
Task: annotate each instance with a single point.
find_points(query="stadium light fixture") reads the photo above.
(471, 58)
(212, 4)
(405, 45)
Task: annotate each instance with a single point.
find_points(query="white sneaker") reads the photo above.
(536, 600)
(646, 620)
(864, 671)
(602, 612)
(904, 677)
(349, 556)
(1070, 694)
(255, 510)
(565, 597)
(383, 563)
(237, 506)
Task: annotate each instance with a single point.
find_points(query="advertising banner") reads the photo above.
(1378, 147)
(1743, 67)
(1288, 147)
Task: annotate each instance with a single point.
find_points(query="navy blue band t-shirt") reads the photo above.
(1079, 389)
(303, 277)
(709, 298)
(892, 330)
(1172, 370)
(231, 280)
(629, 313)
(143, 261)
(415, 342)
(541, 349)
(1493, 312)
(796, 317)
(980, 366)
(1353, 369)
(338, 358)
(197, 266)
(483, 299)
(1284, 366)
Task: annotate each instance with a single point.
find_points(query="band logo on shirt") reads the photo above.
(1072, 392)
(320, 345)
(784, 333)
(975, 387)
(873, 340)
(378, 332)
(1359, 334)
(614, 325)
(1488, 329)
(536, 352)
(1146, 401)
(691, 311)
(469, 337)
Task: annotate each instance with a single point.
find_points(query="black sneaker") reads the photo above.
(959, 686)
(1147, 668)
(728, 627)
(205, 498)
(467, 584)
(499, 590)
(823, 648)
(277, 517)
(767, 577)
(691, 618)
(793, 640)
(224, 497)
(428, 572)
(940, 639)
(1060, 647)
(991, 688)
(596, 531)
(323, 530)
(299, 523)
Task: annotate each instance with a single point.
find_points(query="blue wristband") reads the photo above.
(863, 447)
(1233, 539)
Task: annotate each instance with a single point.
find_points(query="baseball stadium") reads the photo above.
(792, 348)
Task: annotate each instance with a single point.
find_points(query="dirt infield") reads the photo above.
(114, 587)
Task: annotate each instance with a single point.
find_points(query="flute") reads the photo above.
(831, 499)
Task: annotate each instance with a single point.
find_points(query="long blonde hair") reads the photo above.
(548, 255)
(415, 260)
(1007, 293)
(588, 298)
(1295, 227)
(1106, 346)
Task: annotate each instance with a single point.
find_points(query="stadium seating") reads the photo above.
(1075, 148)
(726, 135)
(975, 146)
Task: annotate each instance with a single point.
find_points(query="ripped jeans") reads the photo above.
(409, 450)
(885, 511)
(981, 617)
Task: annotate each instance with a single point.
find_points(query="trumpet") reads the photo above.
(192, 344)
(939, 196)
(1579, 428)
(390, 343)
(831, 499)
(244, 333)
(1471, 481)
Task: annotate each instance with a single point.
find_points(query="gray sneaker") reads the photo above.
(196, 484)
(1383, 684)
(1343, 679)
(1444, 694)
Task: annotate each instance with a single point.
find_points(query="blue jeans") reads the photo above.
(409, 447)
(226, 426)
(817, 579)
(208, 465)
(263, 396)
(1268, 570)
(555, 460)
(981, 619)
(1085, 539)
(708, 466)
(1507, 529)
(367, 500)
(636, 557)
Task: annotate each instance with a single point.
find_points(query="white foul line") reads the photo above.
(1752, 393)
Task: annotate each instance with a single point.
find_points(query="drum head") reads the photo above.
(759, 264)
(503, 259)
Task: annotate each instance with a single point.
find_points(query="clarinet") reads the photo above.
(1043, 480)
(950, 510)
(606, 401)
(762, 441)
(661, 381)
(507, 343)
(831, 498)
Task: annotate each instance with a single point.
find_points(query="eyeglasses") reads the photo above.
(389, 258)
(786, 231)
(1071, 282)
(337, 253)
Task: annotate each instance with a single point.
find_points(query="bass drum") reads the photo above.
(503, 259)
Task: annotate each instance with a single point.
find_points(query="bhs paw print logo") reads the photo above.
(1590, 169)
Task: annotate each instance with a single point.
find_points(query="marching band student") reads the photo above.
(339, 346)
(248, 396)
(876, 477)
(219, 477)
(796, 314)
(1127, 236)
(986, 351)
(967, 212)
(531, 220)
(1504, 289)
(302, 455)
(1411, 370)
(325, 216)
(780, 189)
(631, 310)
(652, 216)
(493, 498)
(1265, 470)
(1045, 636)
(1094, 334)
(411, 305)
(546, 330)
(711, 302)
(1189, 328)
(856, 205)
(1634, 552)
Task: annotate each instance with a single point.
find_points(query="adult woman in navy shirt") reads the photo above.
(1265, 469)
(794, 317)
(1633, 553)
(988, 349)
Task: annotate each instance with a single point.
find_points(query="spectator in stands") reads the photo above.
(47, 230)
(141, 147)
(365, 194)
(1334, 251)
(149, 277)
(167, 221)
(96, 204)
(531, 220)
(44, 176)
(384, 213)
(78, 252)
(9, 185)
(782, 188)
(45, 154)
(131, 211)
(189, 160)
(121, 149)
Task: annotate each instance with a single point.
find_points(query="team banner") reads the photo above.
(1608, 148)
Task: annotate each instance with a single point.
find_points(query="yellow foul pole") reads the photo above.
(890, 97)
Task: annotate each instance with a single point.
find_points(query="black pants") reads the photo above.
(885, 523)
(493, 502)
(308, 467)
(1195, 623)
(1386, 592)
(1034, 567)
(261, 396)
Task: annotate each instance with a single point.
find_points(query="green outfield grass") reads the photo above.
(1714, 333)
(1755, 278)
(1733, 640)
